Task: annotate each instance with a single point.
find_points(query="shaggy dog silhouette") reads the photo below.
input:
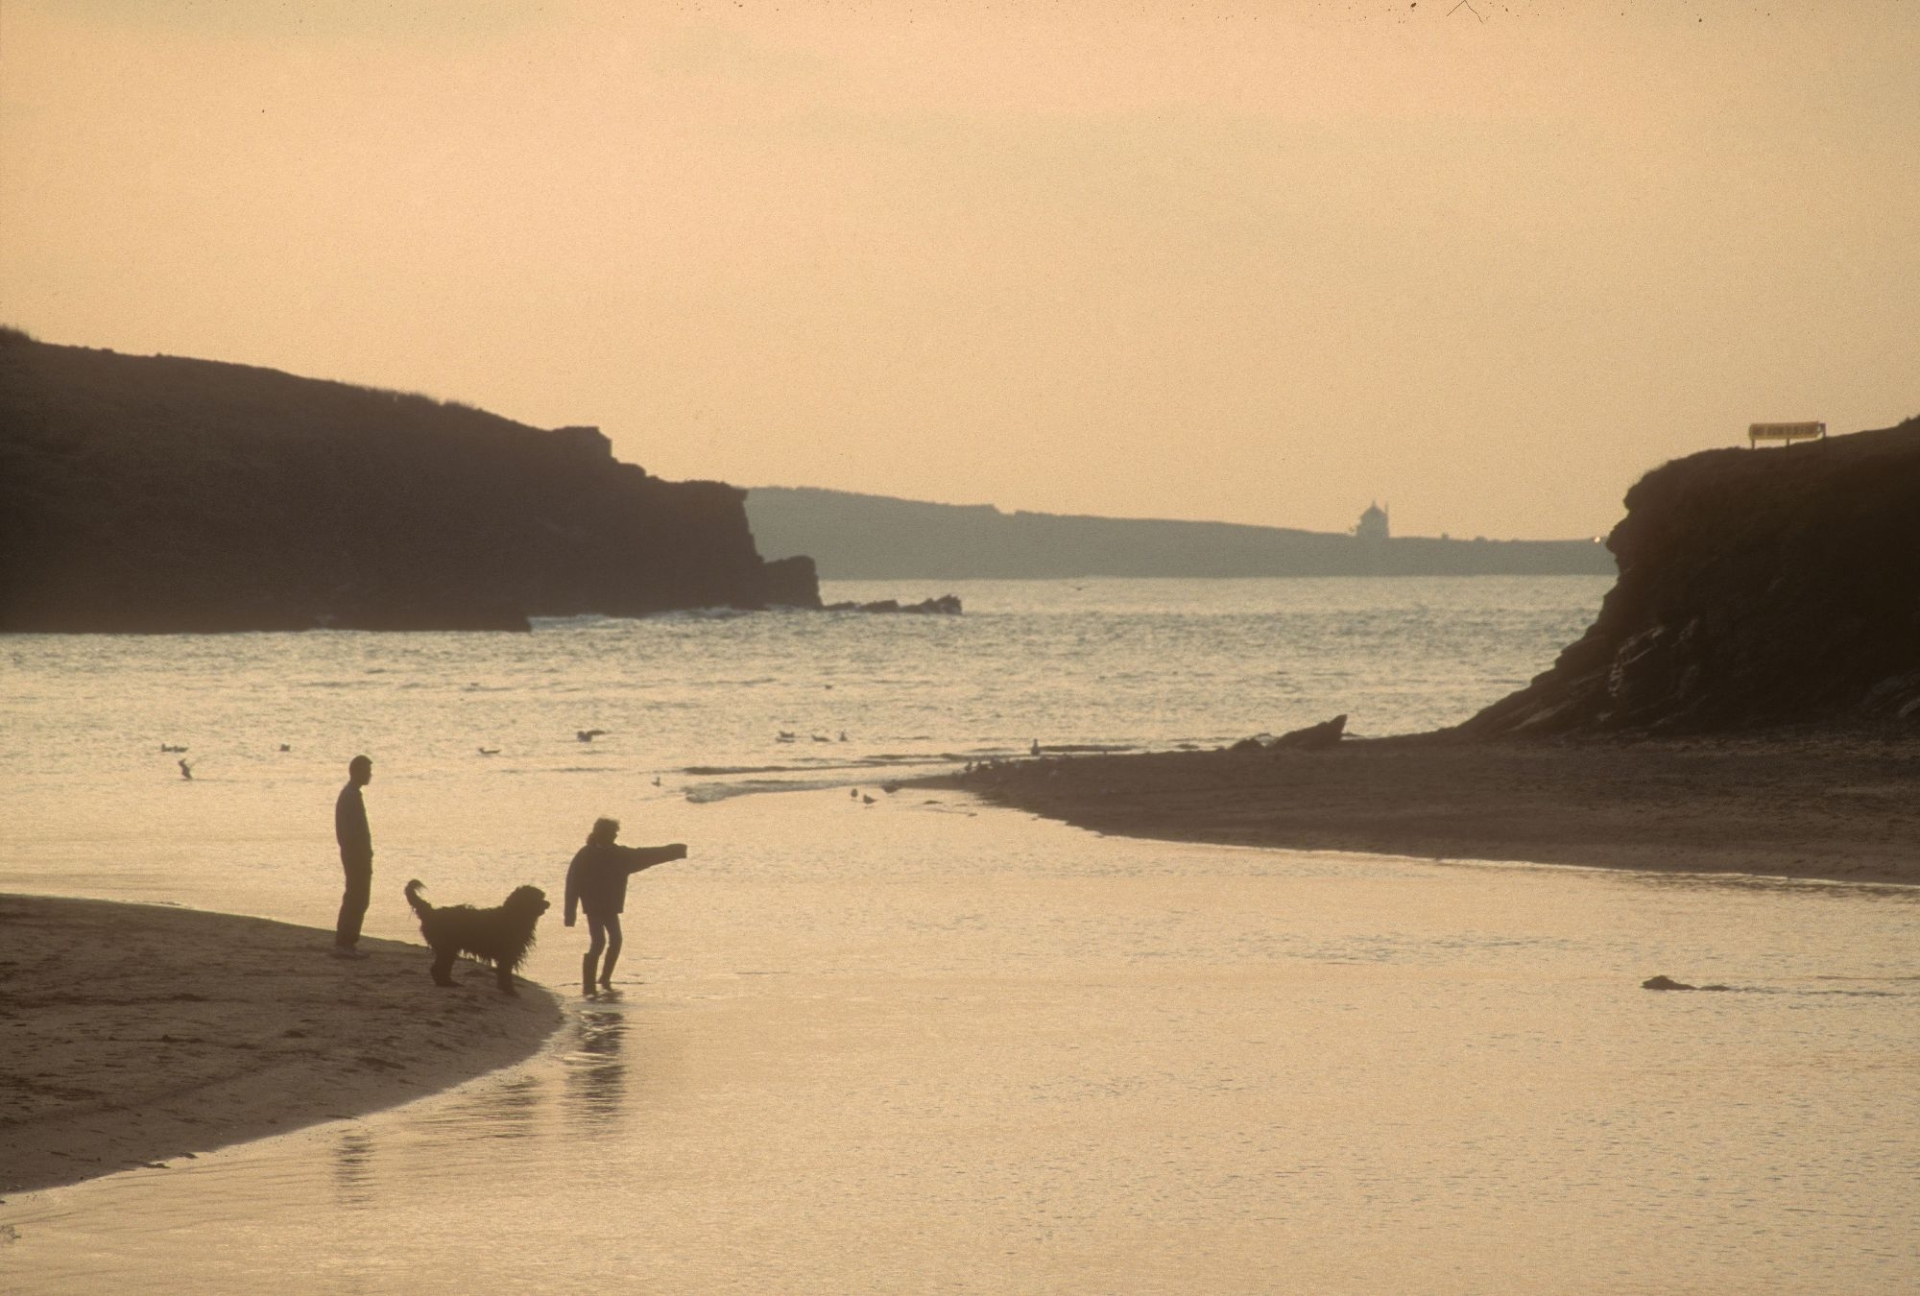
(501, 935)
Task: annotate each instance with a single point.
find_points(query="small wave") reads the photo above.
(1858, 994)
(568, 623)
(814, 780)
(854, 765)
(1668, 983)
(724, 771)
(708, 793)
(597, 620)
(698, 614)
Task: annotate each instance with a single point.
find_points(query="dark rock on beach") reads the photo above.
(1756, 588)
(1316, 737)
(1668, 983)
(154, 493)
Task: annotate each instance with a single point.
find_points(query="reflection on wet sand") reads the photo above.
(597, 1070)
(353, 1169)
(506, 1109)
(510, 1109)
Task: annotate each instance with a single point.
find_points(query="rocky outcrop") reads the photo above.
(1317, 737)
(1756, 587)
(166, 494)
(1314, 737)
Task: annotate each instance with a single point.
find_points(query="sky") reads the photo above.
(1485, 263)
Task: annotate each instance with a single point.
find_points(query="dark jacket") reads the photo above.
(597, 878)
(350, 823)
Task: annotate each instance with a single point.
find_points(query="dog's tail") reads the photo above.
(420, 907)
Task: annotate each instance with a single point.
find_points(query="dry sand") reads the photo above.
(132, 1035)
(1797, 805)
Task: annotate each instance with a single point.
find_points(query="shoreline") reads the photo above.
(1810, 805)
(140, 1034)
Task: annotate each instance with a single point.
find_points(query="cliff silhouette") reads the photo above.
(1756, 588)
(876, 537)
(163, 494)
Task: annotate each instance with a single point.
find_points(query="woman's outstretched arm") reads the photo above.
(645, 857)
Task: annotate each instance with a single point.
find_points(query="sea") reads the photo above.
(875, 1037)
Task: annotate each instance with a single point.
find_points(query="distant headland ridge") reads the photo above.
(876, 537)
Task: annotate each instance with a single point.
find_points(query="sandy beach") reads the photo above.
(136, 1035)
(1816, 805)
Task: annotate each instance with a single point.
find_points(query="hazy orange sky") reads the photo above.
(1485, 262)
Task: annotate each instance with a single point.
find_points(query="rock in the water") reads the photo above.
(1668, 983)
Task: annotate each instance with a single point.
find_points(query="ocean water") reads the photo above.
(920, 1044)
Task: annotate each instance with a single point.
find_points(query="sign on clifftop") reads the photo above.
(1785, 433)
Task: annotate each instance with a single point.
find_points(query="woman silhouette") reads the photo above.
(597, 883)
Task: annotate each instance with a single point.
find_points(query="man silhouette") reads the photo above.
(356, 857)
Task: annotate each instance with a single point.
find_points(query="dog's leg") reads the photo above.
(443, 967)
(504, 970)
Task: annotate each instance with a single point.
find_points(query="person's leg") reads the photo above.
(353, 901)
(596, 941)
(613, 951)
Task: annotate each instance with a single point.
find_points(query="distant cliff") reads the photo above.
(874, 537)
(1756, 587)
(165, 494)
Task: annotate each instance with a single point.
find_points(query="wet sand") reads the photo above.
(136, 1035)
(1830, 806)
(139, 1034)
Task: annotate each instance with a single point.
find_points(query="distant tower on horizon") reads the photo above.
(1372, 524)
